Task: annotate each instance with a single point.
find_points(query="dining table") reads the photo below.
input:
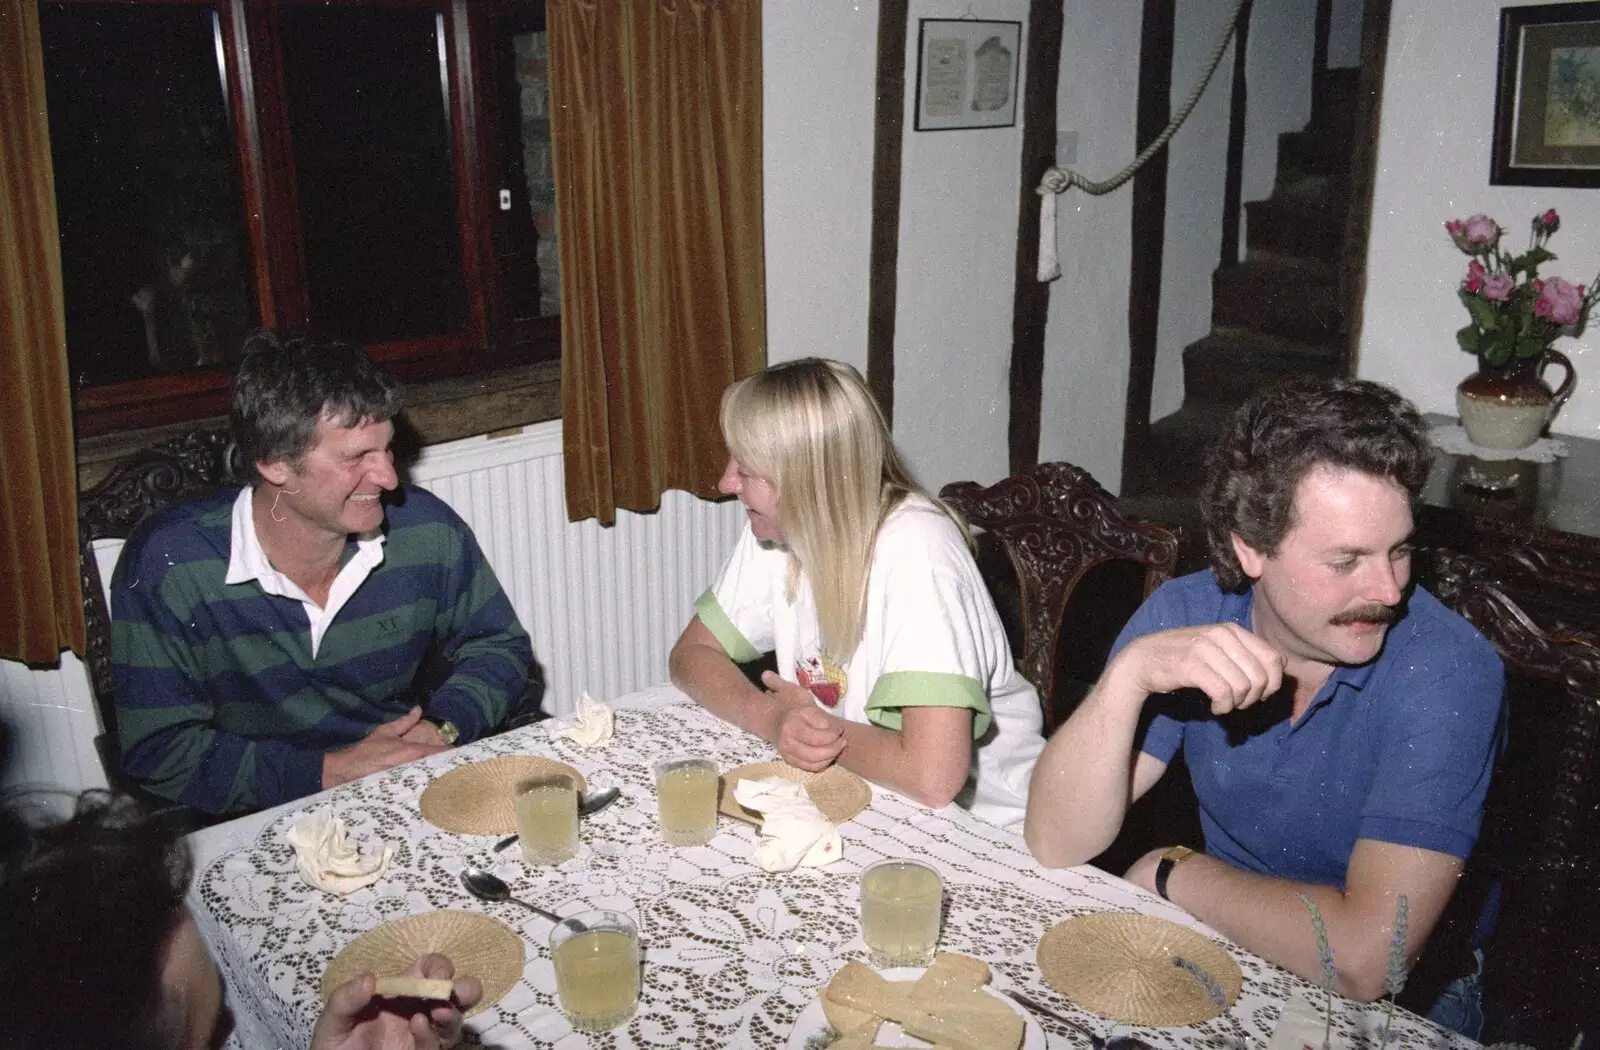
(733, 954)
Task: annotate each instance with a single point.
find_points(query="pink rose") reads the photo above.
(1550, 221)
(1559, 301)
(1497, 287)
(1475, 272)
(1473, 235)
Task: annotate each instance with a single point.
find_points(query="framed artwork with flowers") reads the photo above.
(1547, 104)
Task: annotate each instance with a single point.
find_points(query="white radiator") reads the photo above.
(603, 604)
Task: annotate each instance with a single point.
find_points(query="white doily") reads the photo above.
(1453, 439)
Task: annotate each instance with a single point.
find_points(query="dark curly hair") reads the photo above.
(1279, 435)
(87, 907)
(283, 387)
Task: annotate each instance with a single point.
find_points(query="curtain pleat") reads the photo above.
(656, 149)
(41, 603)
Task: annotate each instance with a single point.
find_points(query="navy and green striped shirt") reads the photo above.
(221, 704)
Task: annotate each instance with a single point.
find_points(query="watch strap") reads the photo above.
(1169, 860)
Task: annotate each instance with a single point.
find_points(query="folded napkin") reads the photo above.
(590, 726)
(794, 833)
(328, 860)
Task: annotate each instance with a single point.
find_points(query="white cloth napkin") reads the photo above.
(589, 726)
(328, 860)
(794, 833)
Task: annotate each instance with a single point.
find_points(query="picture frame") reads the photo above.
(967, 73)
(1547, 99)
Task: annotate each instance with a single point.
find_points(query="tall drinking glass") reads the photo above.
(900, 905)
(596, 956)
(686, 787)
(547, 818)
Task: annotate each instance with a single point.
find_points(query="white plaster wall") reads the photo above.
(1086, 341)
(958, 223)
(1433, 165)
(1197, 163)
(818, 85)
(1344, 34)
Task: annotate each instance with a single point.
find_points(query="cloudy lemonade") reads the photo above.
(688, 798)
(547, 820)
(597, 976)
(900, 902)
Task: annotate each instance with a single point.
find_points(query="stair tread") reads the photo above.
(1271, 268)
(1264, 346)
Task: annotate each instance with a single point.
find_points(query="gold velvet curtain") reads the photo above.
(41, 604)
(656, 129)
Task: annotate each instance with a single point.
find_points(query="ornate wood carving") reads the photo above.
(1560, 806)
(197, 464)
(1056, 523)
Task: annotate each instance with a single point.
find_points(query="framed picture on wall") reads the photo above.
(1547, 105)
(967, 73)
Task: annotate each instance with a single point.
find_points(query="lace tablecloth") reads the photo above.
(733, 953)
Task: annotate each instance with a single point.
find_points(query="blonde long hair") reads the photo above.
(813, 431)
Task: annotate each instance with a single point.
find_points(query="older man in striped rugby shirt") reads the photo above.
(268, 643)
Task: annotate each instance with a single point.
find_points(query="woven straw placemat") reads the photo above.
(1120, 965)
(480, 947)
(476, 799)
(837, 792)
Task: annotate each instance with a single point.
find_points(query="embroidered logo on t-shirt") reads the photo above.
(825, 678)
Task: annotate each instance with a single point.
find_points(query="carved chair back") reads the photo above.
(1542, 802)
(1051, 534)
(197, 464)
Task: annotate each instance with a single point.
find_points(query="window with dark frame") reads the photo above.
(373, 170)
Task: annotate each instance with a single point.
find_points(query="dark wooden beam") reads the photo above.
(1149, 232)
(882, 285)
(1238, 108)
(1363, 175)
(1030, 310)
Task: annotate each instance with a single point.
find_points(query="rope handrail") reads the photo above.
(1058, 180)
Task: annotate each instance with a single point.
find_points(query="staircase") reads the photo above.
(1274, 316)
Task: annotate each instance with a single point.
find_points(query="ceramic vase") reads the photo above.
(1509, 407)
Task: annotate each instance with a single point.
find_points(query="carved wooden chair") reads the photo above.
(1066, 568)
(1541, 811)
(197, 464)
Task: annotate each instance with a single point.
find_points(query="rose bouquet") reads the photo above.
(1515, 312)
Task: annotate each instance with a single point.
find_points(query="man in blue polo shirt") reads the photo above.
(1339, 724)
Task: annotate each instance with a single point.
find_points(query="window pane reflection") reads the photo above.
(155, 264)
(373, 170)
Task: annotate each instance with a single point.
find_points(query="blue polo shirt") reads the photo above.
(1397, 750)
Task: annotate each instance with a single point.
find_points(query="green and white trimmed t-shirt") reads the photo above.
(932, 638)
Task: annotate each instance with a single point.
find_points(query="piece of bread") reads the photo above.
(415, 988)
(950, 974)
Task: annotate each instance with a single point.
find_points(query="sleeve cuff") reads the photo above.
(460, 711)
(298, 774)
(1420, 834)
(897, 690)
(732, 640)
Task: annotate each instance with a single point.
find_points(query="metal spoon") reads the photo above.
(486, 886)
(1121, 1042)
(588, 806)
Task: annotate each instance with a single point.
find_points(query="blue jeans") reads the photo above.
(1460, 1006)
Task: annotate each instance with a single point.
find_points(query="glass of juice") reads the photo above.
(900, 906)
(596, 956)
(686, 787)
(547, 818)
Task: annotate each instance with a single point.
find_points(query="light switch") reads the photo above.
(505, 200)
(1066, 147)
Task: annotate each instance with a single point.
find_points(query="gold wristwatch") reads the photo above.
(1174, 856)
(447, 730)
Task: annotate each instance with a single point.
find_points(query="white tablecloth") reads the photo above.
(733, 953)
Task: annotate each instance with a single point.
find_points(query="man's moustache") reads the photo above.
(1367, 614)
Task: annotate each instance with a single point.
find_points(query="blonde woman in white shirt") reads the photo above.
(892, 660)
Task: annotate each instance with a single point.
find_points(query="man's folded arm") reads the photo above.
(488, 651)
(1266, 915)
